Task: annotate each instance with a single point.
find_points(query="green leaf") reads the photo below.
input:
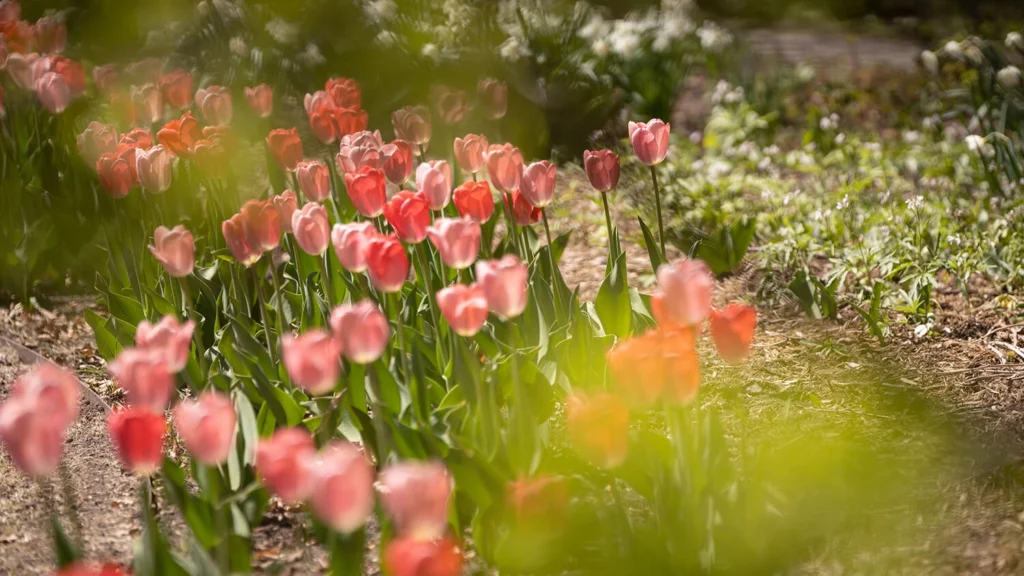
(63, 548)
(653, 249)
(613, 303)
(196, 514)
(347, 553)
(106, 342)
(248, 427)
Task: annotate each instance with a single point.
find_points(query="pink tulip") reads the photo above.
(105, 77)
(149, 103)
(10, 11)
(51, 35)
(450, 104)
(412, 556)
(145, 377)
(474, 200)
(215, 104)
(312, 360)
(409, 214)
(207, 427)
(493, 98)
(342, 495)
(732, 331)
(367, 189)
(350, 242)
(650, 140)
(52, 390)
(233, 230)
(353, 158)
(538, 183)
(362, 330)
(53, 92)
(602, 169)
(464, 307)
(315, 180)
(397, 161)
(311, 228)
(260, 100)
(363, 138)
(412, 124)
(73, 73)
(416, 495)
(387, 264)
(317, 102)
(434, 181)
(504, 166)
(33, 438)
(504, 284)
(19, 66)
(687, 287)
(261, 223)
(283, 461)
(176, 87)
(457, 240)
(345, 92)
(174, 249)
(469, 152)
(138, 435)
(154, 168)
(96, 140)
(286, 147)
(286, 204)
(117, 172)
(169, 339)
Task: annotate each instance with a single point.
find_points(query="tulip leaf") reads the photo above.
(347, 553)
(613, 304)
(356, 383)
(106, 343)
(653, 250)
(63, 548)
(125, 308)
(161, 304)
(247, 425)
(195, 513)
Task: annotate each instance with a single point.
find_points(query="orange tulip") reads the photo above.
(598, 426)
(286, 147)
(260, 100)
(180, 136)
(344, 92)
(176, 86)
(732, 331)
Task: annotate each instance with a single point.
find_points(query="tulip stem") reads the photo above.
(414, 389)
(263, 313)
(326, 278)
(432, 300)
(551, 263)
(278, 296)
(510, 218)
(197, 332)
(607, 215)
(661, 223)
(213, 485)
(383, 443)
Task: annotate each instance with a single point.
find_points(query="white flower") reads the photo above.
(600, 48)
(974, 142)
(805, 72)
(915, 203)
(512, 49)
(839, 139)
(661, 43)
(312, 55)
(921, 330)
(930, 61)
(973, 55)
(952, 49)
(282, 31)
(238, 46)
(712, 37)
(430, 50)
(624, 39)
(380, 11)
(385, 38)
(594, 28)
(1009, 77)
(844, 203)
(1015, 40)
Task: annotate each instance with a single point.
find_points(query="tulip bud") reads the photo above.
(411, 556)
(233, 230)
(538, 183)
(144, 375)
(175, 250)
(397, 161)
(504, 284)
(387, 263)
(312, 360)
(493, 98)
(687, 286)
(283, 461)
(599, 428)
(732, 330)
(53, 92)
(350, 241)
(180, 136)
(51, 390)
(105, 77)
(362, 330)
(139, 138)
(412, 124)
(409, 214)
(342, 495)
(344, 92)
(286, 147)
(367, 189)
(115, 174)
(450, 104)
(504, 166)
(311, 228)
(149, 104)
(207, 427)
(1009, 77)
(176, 87)
(434, 181)
(469, 152)
(51, 35)
(416, 495)
(261, 223)
(215, 104)
(154, 169)
(72, 72)
(456, 240)
(286, 204)
(168, 340)
(315, 180)
(524, 213)
(538, 502)
(474, 200)
(649, 140)
(96, 140)
(464, 307)
(260, 100)
(138, 435)
(602, 168)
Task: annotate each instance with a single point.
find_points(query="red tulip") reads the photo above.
(138, 435)
(261, 223)
(176, 87)
(602, 169)
(457, 241)
(51, 35)
(504, 166)
(464, 307)
(344, 92)
(149, 104)
(469, 152)
(474, 200)
(80, 569)
(732, 330)
(538, 183)
(387, 263)
(286, 146)
(207, 427)
(416, 495)
(136, 138)
(215, 104)
(539, 502)
(283, 461)
(180, 136)
(311, 228)
(286, 204)
(233, 230)
(96, 140)
(53, 92)
(322, 124)
(412, 124)
(314, 179)
(687, 287)
(397, 161)
(410, 556)
(598, 426)
(312, 360)
(175, 250)
(504, 284)
(32, 436)
(409, 214)
(115, 174)
(317, 103)
(367, 190)
(105, 77)
(650, 140)
(143, 373)
(342, 495)
(362, 330)
(450, 104)
(168, 339)
(493, 98)
(350, 241)
(51, 390)
(525, 214)
(72, 72)
(434, 181)
(154, 169)
(10, 11)
(349, 121)
(260, 100)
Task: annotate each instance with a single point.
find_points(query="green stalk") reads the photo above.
(551, 263)
(219, 519)
(432, 300)
(197, 335)
(263, 313)
(414, 388)
(380, 426)
(325, 277)
(607, 215)
(278, 297)
(661, 222)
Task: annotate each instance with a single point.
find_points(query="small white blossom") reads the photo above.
(380, 11)
(238, 46)
(282, 31)
(930, 62)
(594, 28)
(600, 48)
(713, 38)
(430, 50)
(952, 49)
(1015, 40)
(915, 203)
(312, 55)
(512, 49)
(922, 330)
(1009, 77)
(385, 38)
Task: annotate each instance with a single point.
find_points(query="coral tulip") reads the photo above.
(450, 104)
(312, 360)
(469, 152)
(207, 427)
(504, 166)
(387, 264)
(411, 556)
(53, 391)
(311, 228)
(409, 214)
(154, 169)
(464, 307)
(350, 241)
(397, 161)
(260, 100)
(732, 330)
(138, 435)
(598, 426)
(416, 495)
(136, 138)
(33, 437)
(80, 569)
(286, 203)
(145, 376)
(349, 121)
(434, 181)
(524, 213)
(504, 284)
(367, 189)
(233, 230)
(474, 200)
(53, 92)
(362, 330)
(149, 104)
(650, 140)
(317, 102)
(176, 87)
(538, 183)
(322, 124)
(344, 92)
(72, 72)
(175, 250)
(493, 98)
(342, 487)
(180, 136)
(412, 124)
(107, 76)
(457, 240)
(314, 179)
(96, 140)
(215, 104)
(283, 461)
(538, 501)
(168, 338)
(115, 175)
(687, 287)
(261, 223)
(602, 168)
(51, 35)
(286, 147)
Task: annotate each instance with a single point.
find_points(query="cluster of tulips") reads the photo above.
(31, 55)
